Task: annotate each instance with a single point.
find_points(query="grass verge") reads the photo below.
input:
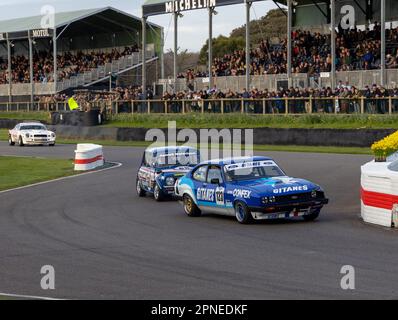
(234, 120)
(219, 121)
(312, 149)
(17, 171)
(26, 115)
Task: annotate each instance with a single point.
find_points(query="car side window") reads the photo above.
(214, 173)
(200, 174)
(147, 159)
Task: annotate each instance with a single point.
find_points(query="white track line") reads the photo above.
(26, 296)
(117, 165)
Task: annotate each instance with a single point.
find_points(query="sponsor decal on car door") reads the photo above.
(210, 194)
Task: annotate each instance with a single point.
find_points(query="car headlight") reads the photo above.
(27, 135)
(53, 135)
(314, 193)
(170, 181)
(266, 200)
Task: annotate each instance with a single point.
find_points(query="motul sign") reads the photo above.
(41, 33)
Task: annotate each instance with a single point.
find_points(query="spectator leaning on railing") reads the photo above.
(344, 99)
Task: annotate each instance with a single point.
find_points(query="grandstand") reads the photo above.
(91, 47)
(355, 23)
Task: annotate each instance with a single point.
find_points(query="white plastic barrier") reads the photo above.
(379, 193)
(88, 157)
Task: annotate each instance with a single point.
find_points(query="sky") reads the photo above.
(192, 29)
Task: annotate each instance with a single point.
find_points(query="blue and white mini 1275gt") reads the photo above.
(250, 188)
(162, 167)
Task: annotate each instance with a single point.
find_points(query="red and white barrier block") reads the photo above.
(88, 157)
(379, 193)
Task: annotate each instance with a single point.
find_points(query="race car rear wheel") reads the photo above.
(190, 207)
(141, 192)
(242, 213)
(10, 142)
(20, 142)
(311, 217)
(158, 194)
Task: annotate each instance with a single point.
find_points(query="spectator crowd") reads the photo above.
(69, 64)
(297, 100)
(355, 50)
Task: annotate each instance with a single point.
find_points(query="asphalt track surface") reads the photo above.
(106, 243)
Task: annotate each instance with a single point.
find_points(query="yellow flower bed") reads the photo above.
(385, 147)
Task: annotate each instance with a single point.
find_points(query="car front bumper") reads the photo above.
(287, 210)
(38, 143)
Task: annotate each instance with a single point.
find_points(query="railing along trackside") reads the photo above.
(307, 105)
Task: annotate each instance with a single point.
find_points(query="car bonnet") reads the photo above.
(276, 185)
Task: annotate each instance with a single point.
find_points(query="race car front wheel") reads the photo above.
(20, 142)
(10, 142)
(311, 217)
(242, 213)
(141, 192)
(190, 207)
(158, 193)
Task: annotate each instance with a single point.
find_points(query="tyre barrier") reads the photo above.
(88, 157)
(379, 193)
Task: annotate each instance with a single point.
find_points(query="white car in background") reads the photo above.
(31, 133)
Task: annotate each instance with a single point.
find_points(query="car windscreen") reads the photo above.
(173, 159)
(32, 127)
(252, 170)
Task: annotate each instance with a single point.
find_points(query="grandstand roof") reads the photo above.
(93, 21)
(155, 7)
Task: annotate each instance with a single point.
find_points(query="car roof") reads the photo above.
(170, 148)
(234, 160)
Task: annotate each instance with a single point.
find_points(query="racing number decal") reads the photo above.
(220, 201)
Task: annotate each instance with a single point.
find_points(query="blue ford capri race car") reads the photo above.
(253, 188)
(161, 167)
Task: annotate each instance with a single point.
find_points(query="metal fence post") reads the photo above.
(222, 106)
(132, 107)
(165, 107)
(311, 106)
(263, 106)
(242, 106)
(183, 106)
(286, 106)
(336, 104)
(362, 105)
(149, 106)
(389, 105)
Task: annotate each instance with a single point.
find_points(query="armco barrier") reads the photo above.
(88, 157)
(379, 193)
